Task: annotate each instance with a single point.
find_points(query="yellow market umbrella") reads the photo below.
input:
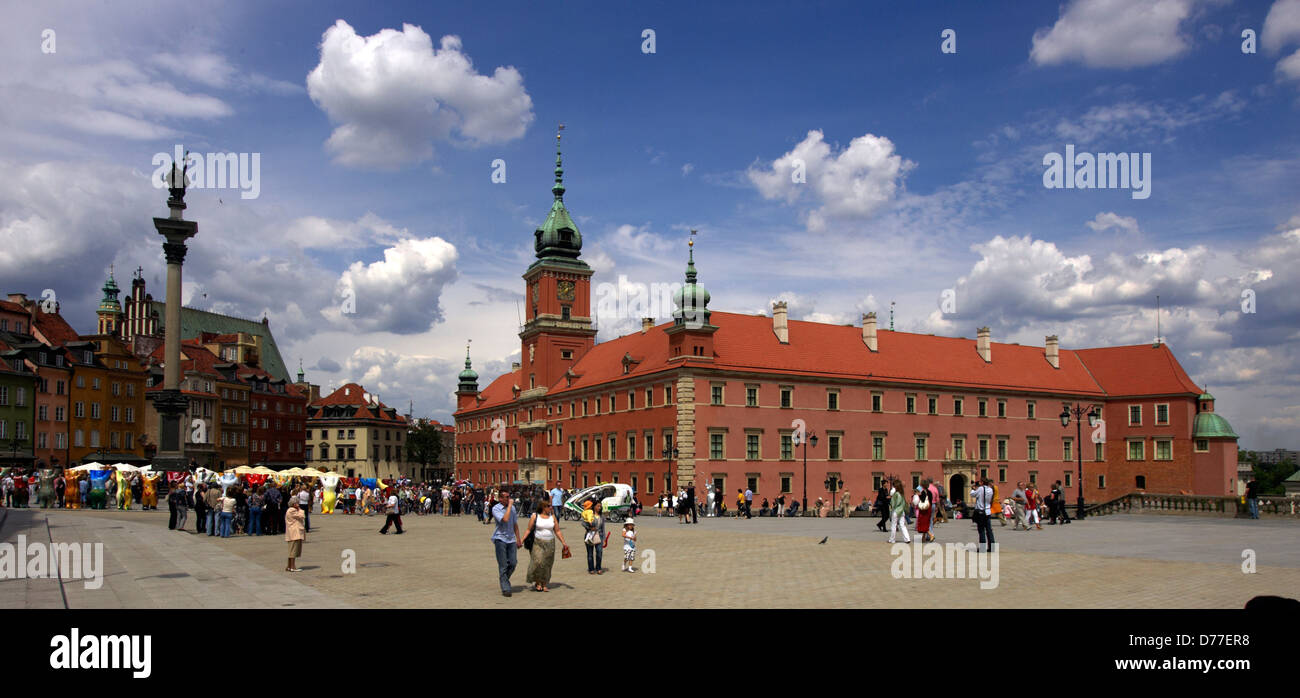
(262, 470)
(311, 472)
(244, 470)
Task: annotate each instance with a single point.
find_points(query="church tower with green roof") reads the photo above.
(558, 328)
(110, 310)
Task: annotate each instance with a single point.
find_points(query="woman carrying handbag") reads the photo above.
(543, 529)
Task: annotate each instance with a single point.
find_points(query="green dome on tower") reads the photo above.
(558, 239)
(692, 299)
(468, 378)
(109, 302)
(1211, 426)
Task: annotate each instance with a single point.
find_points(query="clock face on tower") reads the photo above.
(564, 291)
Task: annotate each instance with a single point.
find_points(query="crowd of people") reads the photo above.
(52, 488)
(930, 505)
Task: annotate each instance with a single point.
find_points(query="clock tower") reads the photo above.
(557, 328)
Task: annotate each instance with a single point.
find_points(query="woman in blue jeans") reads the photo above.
(595, 540)
(255, 512)
(227, 508)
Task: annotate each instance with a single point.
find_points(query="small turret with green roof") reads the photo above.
(109, 303)
(468, 377)
(1209, 425)
(692, 299)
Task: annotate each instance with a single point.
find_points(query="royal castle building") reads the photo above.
(722, 398)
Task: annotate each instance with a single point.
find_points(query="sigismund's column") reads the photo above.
(169, 402)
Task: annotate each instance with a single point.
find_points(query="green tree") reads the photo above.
(424, 443)
(1269, 476)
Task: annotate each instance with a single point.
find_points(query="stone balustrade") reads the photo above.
(1151, 503)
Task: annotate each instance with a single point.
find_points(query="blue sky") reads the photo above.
(924, 170)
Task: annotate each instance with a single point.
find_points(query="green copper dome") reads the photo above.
(692, 299)
(109, 301)
(1205, 396)
(468, 378)
(558, 238)
(1211, 426)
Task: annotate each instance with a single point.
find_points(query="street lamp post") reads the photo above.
(810, 438)
(14, 443)
(832, 484)
(670, 454)
(1078, 412)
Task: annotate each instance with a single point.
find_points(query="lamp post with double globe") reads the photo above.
(1078, 412)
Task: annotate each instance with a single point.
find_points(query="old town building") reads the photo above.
(723, 398)
(278, 429)
(351, 432)
(17, 407)
(53, 373)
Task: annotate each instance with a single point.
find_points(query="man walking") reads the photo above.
(749, 503)
(557, 500)
(505, 539)
(1059, 496)
(690, 500)
(1252, 498)
(393, 512)
(983, 496)
(1018, 499)
(882, 506)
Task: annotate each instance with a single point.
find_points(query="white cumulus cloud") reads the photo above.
(399, 293)
(1108, 220)
(856, 182)
(1281, 26)
(393, 95)
(1115, 33)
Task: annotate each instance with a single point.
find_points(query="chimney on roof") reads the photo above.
(982, 344)
(869, 330)
(1053, 351)
(646, 324)
(779, 322)
(19, 298)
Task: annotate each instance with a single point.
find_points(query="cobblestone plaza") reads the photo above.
(1134, 561)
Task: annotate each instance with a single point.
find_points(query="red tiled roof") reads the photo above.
(1137, 370)
(54, 328)
(12, 307)
(194, 358)
(348, 394)
(352, 394)
(747, 343)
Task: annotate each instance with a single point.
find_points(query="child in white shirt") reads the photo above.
(629, 544)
